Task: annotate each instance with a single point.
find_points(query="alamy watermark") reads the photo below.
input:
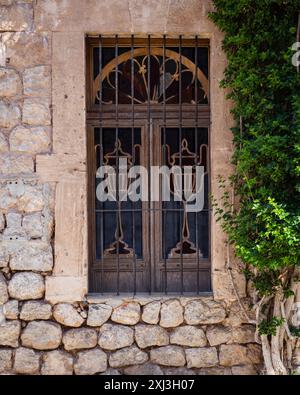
(162, 183)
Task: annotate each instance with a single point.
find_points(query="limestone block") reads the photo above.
(235, 354)
(127, 313)
(4, 147)
(90, 362)
(10, 115)
(244, 370)
(26, 49)
(151, 312)
(26, 361)
(3, 290)
(171, 314)
(18, 17)
(11, 309)
(244, 334)
(15, 163)
(13, 220)
(179, 372)
(98, 314)
(35, 140)
(73, 17)
(9, 333)
(10, 82)
(36, 112)
(33, 226)
(41, 335)
(188, 336)
(204, 311)
(67, 315)
(168, 356)
(37, 81)
(26, 285)
(151, 335)
(201, 357)
(5, 360)
(34, 255)
(148, 369)
(33, 199)
(217, 334)
(57, 362)
(216, 371)
(65, 289)
(127, 356)
(75, 339)
(36, 310)
(112, 337)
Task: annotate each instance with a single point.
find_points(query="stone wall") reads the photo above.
(114, 336)
(48, 323)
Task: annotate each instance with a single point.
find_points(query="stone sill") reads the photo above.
(143, 298)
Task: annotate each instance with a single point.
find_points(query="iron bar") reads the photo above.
(196, 150)
(180, 156)
(164, 163)
(133, 159)
(118, 213)
(149, 159)
(101, 155)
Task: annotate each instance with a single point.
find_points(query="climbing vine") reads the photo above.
(260, 208)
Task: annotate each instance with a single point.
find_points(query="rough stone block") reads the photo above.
(26, 361)
(36, 310)
(15, 163)
(10, 115)
(34, 140)
(26, 285)
(201, 357)
(76, 339)
(127, 313)
(36, 112)
(37, 81)
(90, 362)
(41, 335)
(168, 356)
(151, 335)
(18, 17)
(151, 312)
(5, 360)
(171, 314)
(67, 315)
(26, 49)
(188, 336)
(127, 356)
(9, 333)
(57, 362)
(10, 82)
(98, 314)
(3, 290)
(34, 255)
(11, 310)
(204, 311)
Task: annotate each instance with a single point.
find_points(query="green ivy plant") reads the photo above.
(264, 227)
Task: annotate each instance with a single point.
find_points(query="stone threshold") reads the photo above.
(144, 298)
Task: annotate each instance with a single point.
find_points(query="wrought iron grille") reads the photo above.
(148, 103)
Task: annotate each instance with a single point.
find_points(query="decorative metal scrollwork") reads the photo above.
(185, 157)
(165, 77)
(118, 246)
